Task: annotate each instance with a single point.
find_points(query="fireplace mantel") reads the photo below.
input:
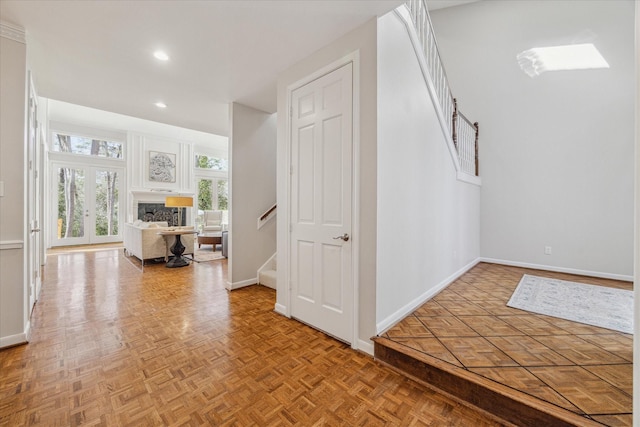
(156, 195)
(151, 196)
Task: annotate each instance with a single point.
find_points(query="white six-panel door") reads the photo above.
(33, 198)
(321, 204)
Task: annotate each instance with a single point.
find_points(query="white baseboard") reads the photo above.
(599, 274)
(417, 302)
(12, 340)
(365, 346)
(242, 284)
(275, 288)
(280, 309)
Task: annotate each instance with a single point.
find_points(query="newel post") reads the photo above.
(454, 123)
(477, 126)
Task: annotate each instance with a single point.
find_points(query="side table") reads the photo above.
(177, 248)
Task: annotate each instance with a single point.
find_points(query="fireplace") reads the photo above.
(159, 212)
(148, 205)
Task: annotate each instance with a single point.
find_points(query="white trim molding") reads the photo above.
(13, 32)
(11, 244)
(281, 309)
(17, 339)
(411, 306)
(578, 272)
(469, 179)
(242, 284)
(365, 347)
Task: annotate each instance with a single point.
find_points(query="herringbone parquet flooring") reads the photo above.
(112, 346)
(577, 367)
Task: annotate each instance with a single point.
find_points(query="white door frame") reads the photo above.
(90, 168)
(34, 281)
(353, 58)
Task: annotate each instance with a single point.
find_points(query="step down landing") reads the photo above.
(498, 400)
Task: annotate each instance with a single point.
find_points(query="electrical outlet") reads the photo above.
(547, 250)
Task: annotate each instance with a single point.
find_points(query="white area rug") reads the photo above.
(206, 254)
(594, 305)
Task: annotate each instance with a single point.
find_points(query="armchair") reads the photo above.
(212, 221)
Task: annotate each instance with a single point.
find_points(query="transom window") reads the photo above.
(211, 163)
(73, 144)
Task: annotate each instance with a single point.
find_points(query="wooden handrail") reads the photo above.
(266, 214)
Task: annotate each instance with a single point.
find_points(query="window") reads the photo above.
(213, 194)
(211, 163)
(86, 146)
(557, 58)
(213, 185)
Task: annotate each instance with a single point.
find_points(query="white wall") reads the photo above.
(363, 41)
(556, 152)
(252, 191)
(428, 222)
(139, 149)
(14, 318)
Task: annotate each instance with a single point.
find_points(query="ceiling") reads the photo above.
(99, 54)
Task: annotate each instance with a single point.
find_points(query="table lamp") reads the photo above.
(179, 202)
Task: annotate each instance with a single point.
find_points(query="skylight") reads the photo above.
(556, 58)
(162, 56)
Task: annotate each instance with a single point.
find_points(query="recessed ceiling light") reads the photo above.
(160, 105)
(571, 57)
(162, 56)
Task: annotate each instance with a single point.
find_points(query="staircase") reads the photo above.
(460, 132)
(268, 273)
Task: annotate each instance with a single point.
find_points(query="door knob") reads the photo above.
(35, 230)
(344, 237)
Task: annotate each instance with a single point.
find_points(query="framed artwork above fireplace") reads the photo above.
(162, 167)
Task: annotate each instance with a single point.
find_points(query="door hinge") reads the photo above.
(290, 228)
(291, 170)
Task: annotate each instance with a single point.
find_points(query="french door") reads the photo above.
(86, 203)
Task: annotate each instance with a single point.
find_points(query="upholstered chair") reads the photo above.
(212, 221)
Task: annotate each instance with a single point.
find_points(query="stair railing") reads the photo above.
(465, 138)
(267, 215)
(462, 131)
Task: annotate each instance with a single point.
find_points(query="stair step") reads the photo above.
(268, 278)
(499, 400)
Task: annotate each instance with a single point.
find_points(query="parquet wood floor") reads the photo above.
(112, 346)
(468, 326)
